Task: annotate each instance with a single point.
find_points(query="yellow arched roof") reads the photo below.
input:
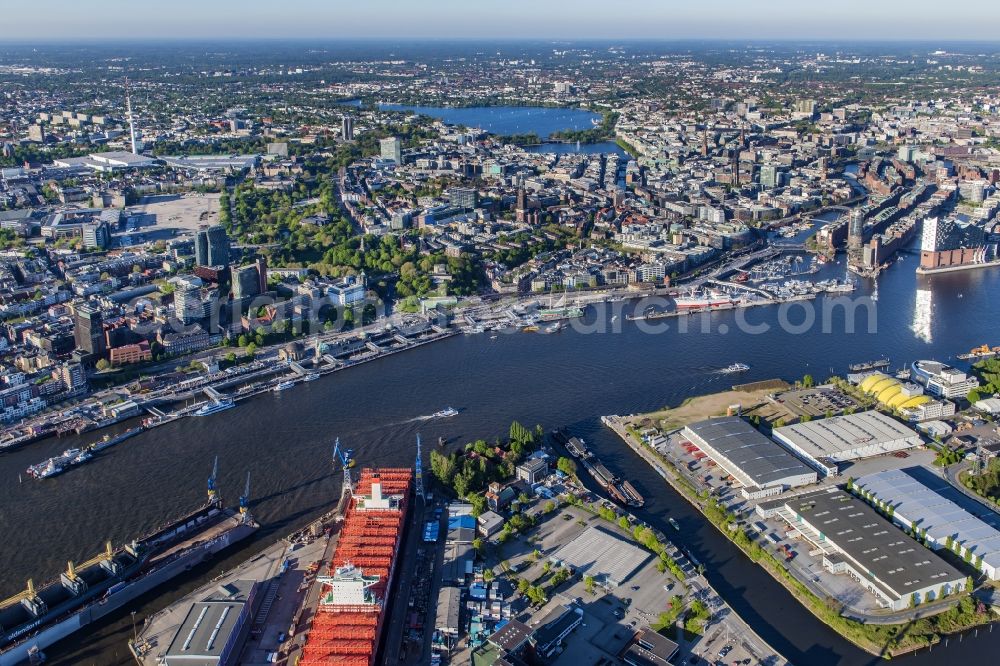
(887, 395)
(900, 399)
(882, 385)
(914, 402)
(868, 382)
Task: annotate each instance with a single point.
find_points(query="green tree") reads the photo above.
(567, 466)
(807, 381)
(588, 583)
(103, 365)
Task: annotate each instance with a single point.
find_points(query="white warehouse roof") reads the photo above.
(848, 437)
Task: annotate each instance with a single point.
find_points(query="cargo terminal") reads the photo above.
(854, 539)
(826, 442)
(918, 503)
(761, 465)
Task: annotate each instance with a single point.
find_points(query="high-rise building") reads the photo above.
(770, 177)
(190, 305)
(97, 236)
(464, 197)
(73, 376)
(246, 282)
(201, 249)
(347, 128)
(211, 247)
(262, 274)
(88, 329)
(36, 133)
(392, 149)
(933, 234)
(856, 230)
(805, 106)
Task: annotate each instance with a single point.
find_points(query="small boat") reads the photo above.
(614, 318)
(311, 377)
(284, 386)
(736, 367)
(493, 337)
(214, 407)
(445, 413)
(530, 329)
(673, 524)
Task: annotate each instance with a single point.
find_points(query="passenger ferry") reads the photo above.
(215, 407)
(283, 386)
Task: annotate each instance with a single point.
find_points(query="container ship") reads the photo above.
(40, 616)
(355, 599)
(620, 490)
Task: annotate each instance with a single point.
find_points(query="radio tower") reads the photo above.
(128, 114)
(419, 471)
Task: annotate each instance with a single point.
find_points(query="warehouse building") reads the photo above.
(607, 557)
(215, 628)
(838, 439)
(916, 499)
(855, 540)
(757, 462)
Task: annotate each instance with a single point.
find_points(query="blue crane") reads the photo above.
(340, 456)
(245, 499)
(213, 493)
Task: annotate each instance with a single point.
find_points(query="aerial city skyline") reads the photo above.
(499, 334)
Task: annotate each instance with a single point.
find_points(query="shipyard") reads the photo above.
(86, 592)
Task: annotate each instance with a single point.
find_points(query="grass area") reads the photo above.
(883, 640)
(987, 484)
(702, 407)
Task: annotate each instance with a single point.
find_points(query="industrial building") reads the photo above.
(909, 398)
(854, 539)
(915, 496)
(607, 557)
(449, 607)
(754, 460)
(943, 380)
(826, 442)
(215, 628)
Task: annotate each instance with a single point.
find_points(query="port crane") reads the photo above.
(213, 493)
(339, 456)
(29, 599)
(245, 501)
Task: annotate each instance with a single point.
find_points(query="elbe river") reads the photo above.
(566, 379)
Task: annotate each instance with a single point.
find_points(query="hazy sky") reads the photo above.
(615, 19)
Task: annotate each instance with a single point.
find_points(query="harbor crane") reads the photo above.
(245, 500)
(340, 457)
(213, 493)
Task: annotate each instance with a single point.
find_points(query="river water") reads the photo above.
(565, 379)
(504, 120)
